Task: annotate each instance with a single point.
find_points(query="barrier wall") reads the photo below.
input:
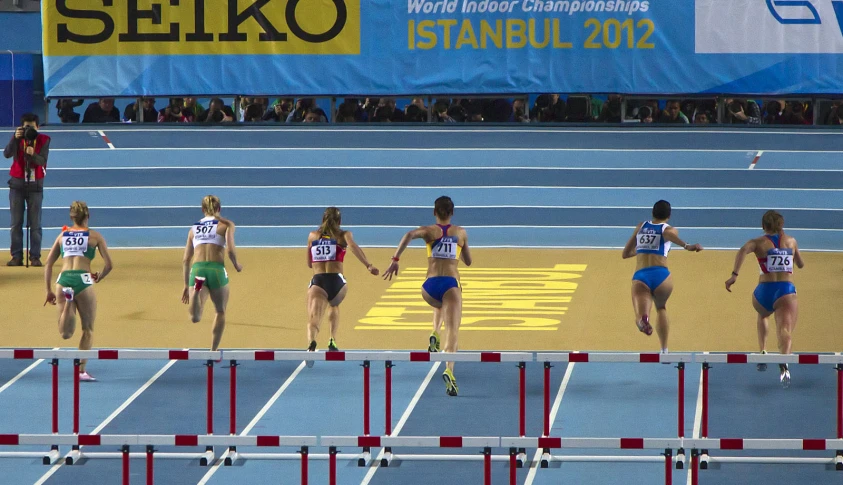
(387, 47)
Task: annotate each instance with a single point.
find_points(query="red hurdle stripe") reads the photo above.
(368, 441)
(89, 440)
(731, 443)
(264, 355)
(269, 441)
(9, 439)
(490, 357)
(179, 354)
(24, 354)
(581, 357)
(813, 444)
(649, 358)
(550, 442)
(419, 356)
(450, 441)
(809, 359)
(632, 443)
(335, 356)
(187, 440)
(107, 354)
(736, 358)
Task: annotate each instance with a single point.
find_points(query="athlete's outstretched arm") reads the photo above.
(797, 256)
(466, 252)
(672, 235)
(106, 258)
(747, 248)
(48, 270)
(232, 250)
(629, 248)
(186, 260)
(358, 252)
(405, 241)
(310, 238)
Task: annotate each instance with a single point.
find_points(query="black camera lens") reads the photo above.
(30, 133)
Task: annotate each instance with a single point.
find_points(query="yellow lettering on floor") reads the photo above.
(527, 299)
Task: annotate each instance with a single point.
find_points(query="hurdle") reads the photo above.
(680, 359)
(760, 444)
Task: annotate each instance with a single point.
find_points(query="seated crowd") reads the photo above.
(546, 108)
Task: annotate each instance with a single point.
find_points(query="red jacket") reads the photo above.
(18, 150)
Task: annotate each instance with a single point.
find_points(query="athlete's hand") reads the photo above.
(95, 277)
(731, 281)
(373, 270)
(238, 267)
(185, 296)
(391, 270)
(51, 298)
(694, 247)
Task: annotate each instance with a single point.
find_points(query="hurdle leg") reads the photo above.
(513, 476)
(487, 466)
(695, 470)
(150, 472)
(304, 451)
(332, 465)
(125, 451)
(668, 467)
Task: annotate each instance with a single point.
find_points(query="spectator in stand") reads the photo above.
(611, 111)
(835, 117)
(440, 112)
(702, 118)
(395, 114)
(66, 112)
(314, 115)
(519, 112)
(302, 106)
(217, 112)
(192, 105)
(796, 114)
(174, 113)
(673, 113)
(414, 114)
(549, 108)
(278, 111)
(383, 114)
(253, 112)
(741, 111)
(419, 101)
(102, 111)
(150, 114)
(645, 114)
(773, 112)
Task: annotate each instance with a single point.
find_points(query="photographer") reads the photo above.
(29, 150)
(741, 111)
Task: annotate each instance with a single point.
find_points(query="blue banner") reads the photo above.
(418, 47)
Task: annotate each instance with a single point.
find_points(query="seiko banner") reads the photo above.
(415, 47)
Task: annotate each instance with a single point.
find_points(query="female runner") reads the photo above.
(776, 253)
(650, 244)
(77, 246)
(446, 245)
(326, 248)
(205, 248)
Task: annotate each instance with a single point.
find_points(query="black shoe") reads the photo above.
(35, 262)
(310, 348)
(332, 346)
(15, 262)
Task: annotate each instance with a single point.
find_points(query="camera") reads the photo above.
(29, 133)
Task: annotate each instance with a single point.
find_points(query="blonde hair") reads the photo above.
(79, 212)
(211, 205)
(772, 221)
(331, 223)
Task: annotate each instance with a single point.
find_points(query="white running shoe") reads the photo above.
(85, 377)
(762, 366)
(784, 377)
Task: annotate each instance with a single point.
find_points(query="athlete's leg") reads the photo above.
(762, 325)
(317, 301)
(660, 297)
(219, 296)
(67, 314)
(86, 303)
(197, 303)
(787, 311)
(642, 301)
(437, 320)
(452, 314)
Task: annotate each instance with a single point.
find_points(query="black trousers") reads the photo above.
(29, 195)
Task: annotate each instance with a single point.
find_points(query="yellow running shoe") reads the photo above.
(434, 345)
(451, 388)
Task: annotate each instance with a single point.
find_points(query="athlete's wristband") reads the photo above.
(395, 259)
(734, 274)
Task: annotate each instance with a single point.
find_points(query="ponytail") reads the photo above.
(331, 223)
(79, 212)
(211, 205)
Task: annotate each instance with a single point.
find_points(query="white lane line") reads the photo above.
(254, 421)
(450, 168)
(106, 140)
(404, 417)
(21, 374)
(755, 160)
(697, 424)
(534, 466)
(438, 149)
(111, 417)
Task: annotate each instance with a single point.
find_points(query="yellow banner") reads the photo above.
(200, 27)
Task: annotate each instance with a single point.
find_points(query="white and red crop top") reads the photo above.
(326, 250)
(778, 259)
